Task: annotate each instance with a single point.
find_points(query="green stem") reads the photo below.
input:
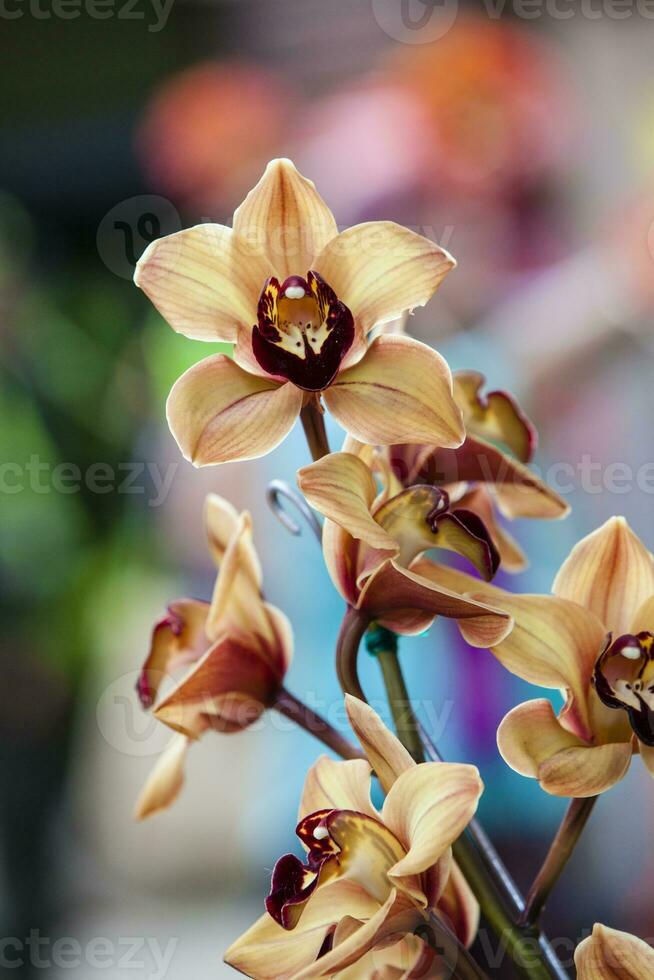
(382, 644)
(304, 716)
(564, 843)
(313, 422)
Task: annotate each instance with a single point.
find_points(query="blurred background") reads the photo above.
(520, 139)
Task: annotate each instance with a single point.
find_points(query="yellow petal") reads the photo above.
(647, 755)
(530, 734)
(332, 785)
(179, 638)
(554, 643)
(427, 808)
(479, 501)
(611, 955)
(165, 782)
(610, 572)
(644, 618)
(341, 487)
(409, 957)
(205, 281)
(236, 601)
(459, 905)
(400, 391)
(380, 269)
(218, 413)
(269, 952)
(285, 219)
(221, 523)
(585, 771)
(340, 551)
(496, 416)
(385, 752)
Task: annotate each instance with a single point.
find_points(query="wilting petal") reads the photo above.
(218, 413)
(385, 752)
(205, 281)
(341, 487)
(585, 771)
(285, 219)
(553, 644)
(458, 903)
(269, 952)
(427, 808)
(611, 955)
(530, 734)
(332, 785)
(400, 391)
(393, 590)
(495, 416)
(165, 781)
(610, 572)
(380, 269)
(179, 638)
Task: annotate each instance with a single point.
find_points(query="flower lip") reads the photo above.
(624, 679)
(303, 331)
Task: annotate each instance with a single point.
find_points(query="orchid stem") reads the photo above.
(382, 644)
(304, 716)
(313, 423)
(564, 843)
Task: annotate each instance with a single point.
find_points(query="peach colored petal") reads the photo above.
(458, 903)
(644, 618)
(236, 602)
(611, 955)
(400, 391)
(385, 752)
(479, 501)
(340, 551)
(530, 734)
(332, 785)
(285, 219)
(380, 269)
(341, 487)
(178, 639)
(495, 415)
(585, 771)
(165, 782)
(647, 755)
(610, 572)
(205, 281)
(219, 414)
(221, 523)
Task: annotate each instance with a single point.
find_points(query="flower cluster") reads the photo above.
(430, 469)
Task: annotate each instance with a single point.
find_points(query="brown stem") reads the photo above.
(564, 843)
(313, 422)
(304, 716)
(354, 625)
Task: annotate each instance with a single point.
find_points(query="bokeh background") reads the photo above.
(520, 139)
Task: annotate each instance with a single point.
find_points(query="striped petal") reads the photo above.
(166, 780)
(385, 752)
(285, 219)
(611, 955)
(585, 771)
(332, 785)
(400, 391)
(380, 270)
(530, 734)
(218, 413)
(205, 281)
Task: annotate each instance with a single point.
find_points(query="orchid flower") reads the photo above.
(298, 299)
(611, 955)
(373, 545)
(563, 641)
(371, 878)
(236, 650)
(488, 472)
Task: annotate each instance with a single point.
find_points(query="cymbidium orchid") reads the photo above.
(374, 881)
(604, 589)
(373, 545)
(298, 299)
(611, 955)
(489, 471)
(236, 650)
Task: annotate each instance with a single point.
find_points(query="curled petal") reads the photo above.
(611, 955)
(341, 487)
(530, 734)
(400, 391)
(332, 785)
(178, 639)
(610, 572)
(495, 416)
(380, 269)
(205, 281)
(285, 219)
(385, 752)
(218, 413)
(165, 781)
(479, 501)
(427, 808)
(586, 770)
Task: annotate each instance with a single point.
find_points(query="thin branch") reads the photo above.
(313, 422)
(304, 716)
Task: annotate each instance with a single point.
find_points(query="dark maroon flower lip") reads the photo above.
(624, 679)
(303, 331)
